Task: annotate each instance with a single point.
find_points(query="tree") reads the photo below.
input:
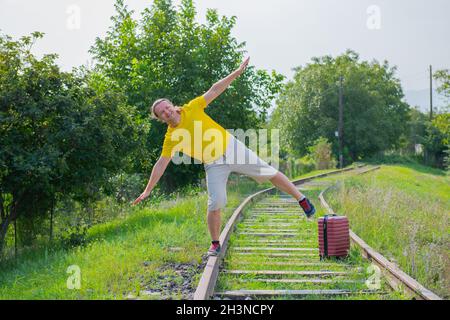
(443, 77)
(168, 54)
(417, 125)
(437, 138)
(374, 114)
(433, 135)
(62, 134)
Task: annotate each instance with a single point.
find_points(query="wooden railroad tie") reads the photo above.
(273, 249)
(291, 293)
(297, 263)
(288, 272)
(266, 234)
(301, 280)
(269, 254)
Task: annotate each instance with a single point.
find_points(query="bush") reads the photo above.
(393, 158)
(322, 154)
(126, 187)
(74, 236)
(296, 167)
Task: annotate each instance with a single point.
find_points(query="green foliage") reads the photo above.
(319, 158)
(166, 53)
(393, 158)
(417, 125)
(295, 167)
(73, 236)
(435, 149)
(374, 114)
(321, 152)
(433, 135)
(442, 123)
(443, 77)
(124, 187)
(62, 134)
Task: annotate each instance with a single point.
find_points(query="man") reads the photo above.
(190, 130)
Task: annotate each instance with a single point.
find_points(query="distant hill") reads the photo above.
(421, 98)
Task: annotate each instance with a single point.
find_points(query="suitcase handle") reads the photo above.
(325, 231)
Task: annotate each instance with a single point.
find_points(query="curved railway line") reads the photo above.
(270, 250)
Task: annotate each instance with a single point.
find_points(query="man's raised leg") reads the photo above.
(282, 182)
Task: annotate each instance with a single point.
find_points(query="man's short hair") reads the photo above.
(152, 108)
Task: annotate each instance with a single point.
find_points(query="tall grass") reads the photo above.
(403, 212)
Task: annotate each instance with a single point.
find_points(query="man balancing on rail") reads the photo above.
(190, 131)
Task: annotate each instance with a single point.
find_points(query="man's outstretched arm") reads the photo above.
(220, 86)
(157, 171)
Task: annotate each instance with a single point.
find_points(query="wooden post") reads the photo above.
(341, 124)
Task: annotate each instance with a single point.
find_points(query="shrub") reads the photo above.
(293, 167)
(321, 152)
(74, 236)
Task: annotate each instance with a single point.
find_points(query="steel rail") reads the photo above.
(205, 288)
(396, 278)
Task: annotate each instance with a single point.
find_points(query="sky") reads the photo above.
(279, 34)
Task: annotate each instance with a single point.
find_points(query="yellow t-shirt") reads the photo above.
(197, 135)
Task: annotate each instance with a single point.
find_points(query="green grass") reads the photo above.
(113, 261)
(313, 173)
(139, 251)
(122, 256)
(402, 211)
(126, 255)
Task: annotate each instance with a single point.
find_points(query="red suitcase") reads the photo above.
(334, 238)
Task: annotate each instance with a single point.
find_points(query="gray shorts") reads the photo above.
(237, 158)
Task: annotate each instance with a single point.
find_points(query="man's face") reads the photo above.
(165, 111)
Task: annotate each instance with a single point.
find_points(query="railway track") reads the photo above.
(270, 251)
